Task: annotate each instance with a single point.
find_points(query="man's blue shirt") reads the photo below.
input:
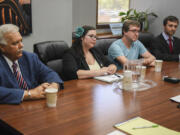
(118, 48)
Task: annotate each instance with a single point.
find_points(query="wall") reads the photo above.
(162, 8)
(56, 20)
(51, 20)
(84, 12)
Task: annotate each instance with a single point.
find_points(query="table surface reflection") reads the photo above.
(92, 107)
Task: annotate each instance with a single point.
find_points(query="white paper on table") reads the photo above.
(109, 78)
(176, 98)
(116, 132)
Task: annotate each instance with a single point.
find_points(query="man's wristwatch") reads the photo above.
(29, 93)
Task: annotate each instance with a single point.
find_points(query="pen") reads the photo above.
(152, 126)
(117, 75)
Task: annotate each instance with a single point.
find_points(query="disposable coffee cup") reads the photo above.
(158, 65)
(127, 80)
(51, 97)
(143, 73)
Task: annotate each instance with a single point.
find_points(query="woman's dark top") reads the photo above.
(73, 61)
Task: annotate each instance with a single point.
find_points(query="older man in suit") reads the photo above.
(22, 75)
(166, 46)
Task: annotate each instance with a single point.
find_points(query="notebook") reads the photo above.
(109, 78)
(140, 126)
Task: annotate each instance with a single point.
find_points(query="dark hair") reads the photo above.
(171, 19)
(127, 23)
(77, 43)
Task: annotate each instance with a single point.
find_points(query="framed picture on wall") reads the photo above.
(17, 12)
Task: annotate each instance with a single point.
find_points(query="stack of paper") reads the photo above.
(109, 78)
(140, 126)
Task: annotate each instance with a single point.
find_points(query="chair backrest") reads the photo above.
(103, 45)
(51, 53)
(146, 38)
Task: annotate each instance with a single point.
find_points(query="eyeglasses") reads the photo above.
(92, 36)
(134, 31)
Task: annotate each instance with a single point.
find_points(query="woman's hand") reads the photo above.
(103, 71)
(83, 74)
(111, 69)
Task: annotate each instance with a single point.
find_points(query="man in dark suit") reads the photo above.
(22, 75)
(166, 46)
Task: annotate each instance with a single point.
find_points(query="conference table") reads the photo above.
(92, 107)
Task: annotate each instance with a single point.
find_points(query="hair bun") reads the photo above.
(79, 32)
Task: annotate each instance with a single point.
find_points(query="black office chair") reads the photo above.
(51, 53)
(6, 129)
(104, 44)
(146, 38)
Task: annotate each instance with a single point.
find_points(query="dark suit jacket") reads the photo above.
(34, 73)
(72, 62)
(160, 49)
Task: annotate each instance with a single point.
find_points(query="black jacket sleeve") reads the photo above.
(70, 66)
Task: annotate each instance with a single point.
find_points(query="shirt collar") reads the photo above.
(10, 63)
(166, 37)
(132, 44)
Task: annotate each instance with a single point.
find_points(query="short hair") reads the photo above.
(171, 19)
(6, 28)
(127, 23)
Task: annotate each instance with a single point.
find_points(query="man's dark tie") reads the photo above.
(19, 77)
(170, 45)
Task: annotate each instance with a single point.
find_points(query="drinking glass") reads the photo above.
(136, 69)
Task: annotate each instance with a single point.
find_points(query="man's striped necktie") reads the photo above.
(19, 77)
